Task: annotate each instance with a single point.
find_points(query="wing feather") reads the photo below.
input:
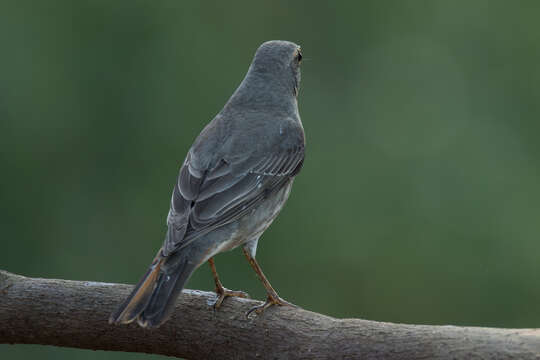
(206, 199)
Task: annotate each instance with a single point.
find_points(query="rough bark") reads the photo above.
(75, 313)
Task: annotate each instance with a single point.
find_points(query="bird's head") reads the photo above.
(279, 60)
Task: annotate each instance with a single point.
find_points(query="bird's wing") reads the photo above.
(203, 200)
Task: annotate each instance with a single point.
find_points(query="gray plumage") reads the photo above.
(235, 179)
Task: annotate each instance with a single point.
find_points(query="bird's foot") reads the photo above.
(223, 293)
(270, 300)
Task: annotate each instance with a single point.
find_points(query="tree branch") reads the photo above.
(75, 313)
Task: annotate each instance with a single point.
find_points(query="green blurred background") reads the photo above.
(419, 200)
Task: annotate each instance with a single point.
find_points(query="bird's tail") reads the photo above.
(152, 300)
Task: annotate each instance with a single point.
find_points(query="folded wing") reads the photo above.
(206, 199)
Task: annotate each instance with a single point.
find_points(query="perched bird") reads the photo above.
(234, 181)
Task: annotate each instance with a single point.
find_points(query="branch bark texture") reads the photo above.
(74, 314)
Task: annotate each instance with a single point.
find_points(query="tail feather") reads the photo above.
(152, 300)
(139, 297)
(161, 303)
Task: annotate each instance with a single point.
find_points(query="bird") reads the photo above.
(235, 179)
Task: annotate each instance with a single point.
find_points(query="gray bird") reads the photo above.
(234, 181)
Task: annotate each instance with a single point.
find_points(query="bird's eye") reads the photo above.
(299, 56)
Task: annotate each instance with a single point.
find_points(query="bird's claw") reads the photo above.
(259, 309)
(224, 293)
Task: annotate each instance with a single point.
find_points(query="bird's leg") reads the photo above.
(272, 296)
(221, 291)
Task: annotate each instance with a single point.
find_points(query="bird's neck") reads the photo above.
(265, 92)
